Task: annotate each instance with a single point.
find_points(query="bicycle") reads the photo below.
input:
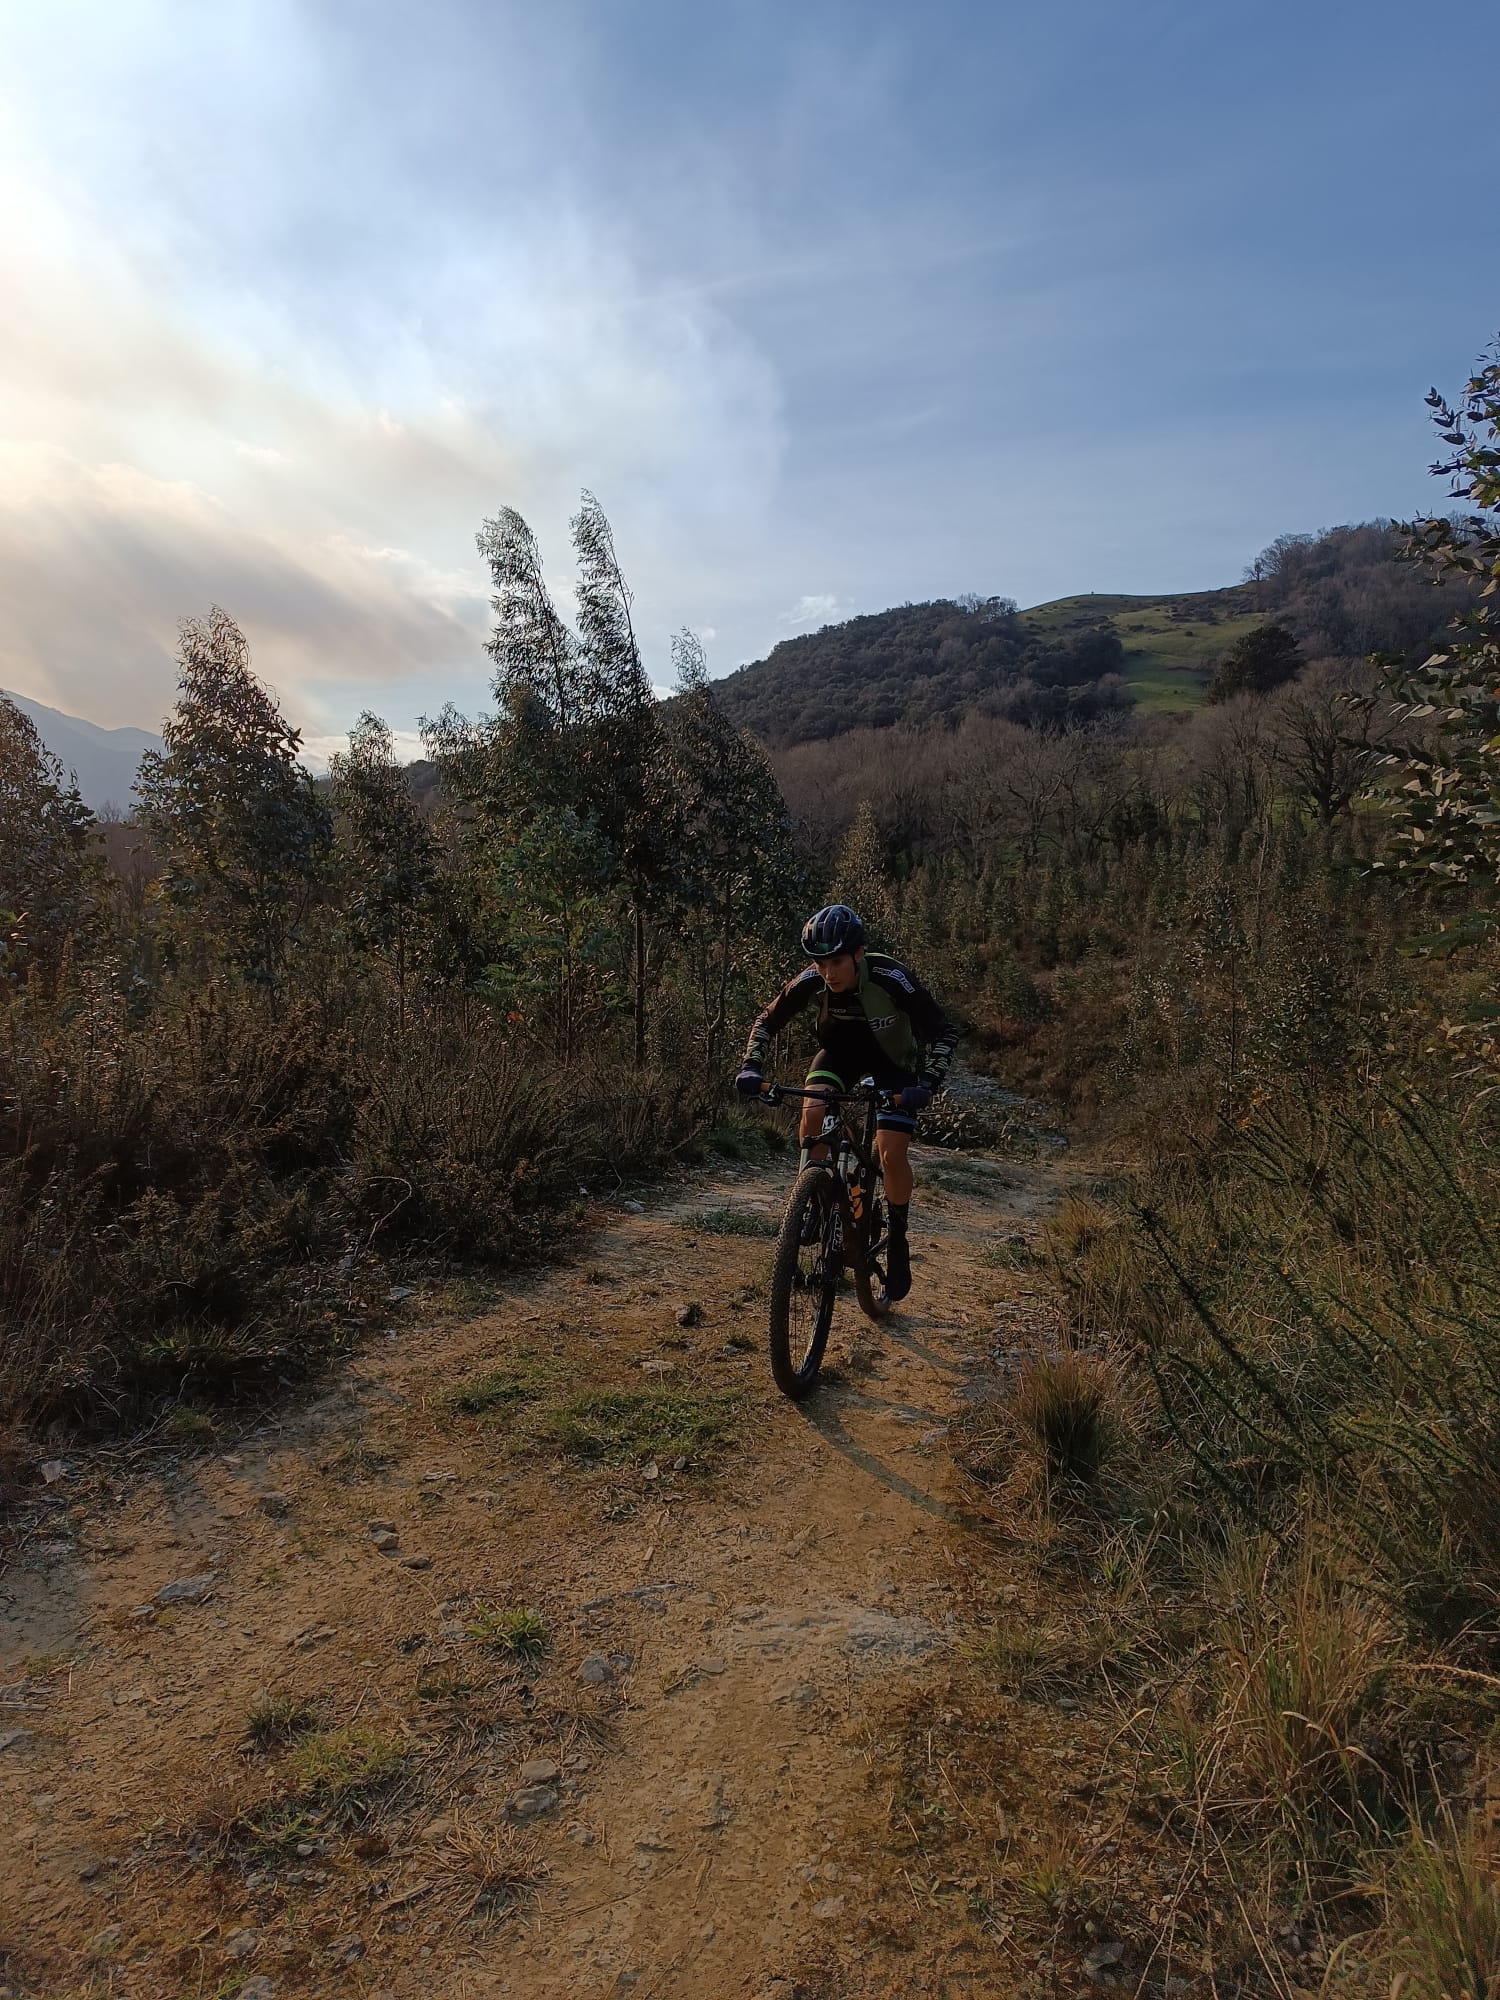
(835, 1216)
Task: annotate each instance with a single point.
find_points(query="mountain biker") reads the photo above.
(875, 1018)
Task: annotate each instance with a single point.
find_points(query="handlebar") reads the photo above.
(777, 1093)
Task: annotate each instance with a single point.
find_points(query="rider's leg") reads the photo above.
(891, 1143)
(814, 1110)
(895, 1167)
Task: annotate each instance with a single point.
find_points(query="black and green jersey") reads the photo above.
(889, 1011)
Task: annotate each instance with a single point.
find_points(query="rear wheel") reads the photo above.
(805, 1281)
(869, 1275)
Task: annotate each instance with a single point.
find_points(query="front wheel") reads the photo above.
(805, 1280)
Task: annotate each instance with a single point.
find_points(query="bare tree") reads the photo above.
(1228, 754)
(1328, 739)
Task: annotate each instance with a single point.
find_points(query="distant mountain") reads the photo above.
(105, 761)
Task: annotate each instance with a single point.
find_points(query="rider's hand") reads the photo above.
(750, 1082)
(916, 1096)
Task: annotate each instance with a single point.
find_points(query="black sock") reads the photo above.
(898, 1220)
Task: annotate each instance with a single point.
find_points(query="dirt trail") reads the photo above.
(698, 1802)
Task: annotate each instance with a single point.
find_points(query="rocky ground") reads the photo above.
(550, 1652)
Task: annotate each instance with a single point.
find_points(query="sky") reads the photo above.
(834, 306)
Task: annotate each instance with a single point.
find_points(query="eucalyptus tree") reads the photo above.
(48, 862)
(241, 831)
(394, 902)
(623, 758)
(538, 861)
(741, 869)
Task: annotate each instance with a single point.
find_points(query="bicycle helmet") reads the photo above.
(828, 932)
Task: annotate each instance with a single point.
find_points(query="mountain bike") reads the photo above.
(835, 1219)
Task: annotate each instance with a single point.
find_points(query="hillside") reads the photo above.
(1171, 644)
(924, 663)
(1344, 593)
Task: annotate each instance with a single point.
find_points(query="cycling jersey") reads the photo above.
(887, 1019)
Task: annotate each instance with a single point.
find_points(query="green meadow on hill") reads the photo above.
(1171, 644)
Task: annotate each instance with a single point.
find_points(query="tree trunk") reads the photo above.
(640, 986)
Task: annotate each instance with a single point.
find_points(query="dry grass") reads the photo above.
(276, 1719)
(1070, 1406)
(1443, 1914)
(1266, 1727)
(492, 1865)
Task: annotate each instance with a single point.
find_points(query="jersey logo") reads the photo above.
(895, 972)
(883, 1021)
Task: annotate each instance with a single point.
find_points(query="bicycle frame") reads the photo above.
(857, 1193)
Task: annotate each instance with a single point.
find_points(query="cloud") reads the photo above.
(317, 457)
(407, 746)
(822, 609)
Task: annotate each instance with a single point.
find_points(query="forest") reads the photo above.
(276, 1040)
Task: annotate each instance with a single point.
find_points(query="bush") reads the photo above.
(188, 1184)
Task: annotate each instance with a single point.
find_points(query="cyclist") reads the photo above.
(875, 1018)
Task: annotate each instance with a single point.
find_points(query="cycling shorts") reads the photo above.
(844, 1071)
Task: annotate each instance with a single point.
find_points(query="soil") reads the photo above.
(550, 1723)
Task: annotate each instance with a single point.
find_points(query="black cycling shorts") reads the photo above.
(843, 1069)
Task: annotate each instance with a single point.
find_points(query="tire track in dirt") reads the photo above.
(697, 1804)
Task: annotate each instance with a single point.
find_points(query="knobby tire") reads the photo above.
(804, 1284)
(869, 1285)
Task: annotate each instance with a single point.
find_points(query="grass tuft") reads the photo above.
(500, 1391)
(1068, 1405)
(1443, 1910)
(278, 1719)
(344, 1766)
(518, 1630)
(493, 1863)
(617, 1425)
(730, 1222)
(187, 1429)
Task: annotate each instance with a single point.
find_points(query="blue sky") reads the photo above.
(832, 305)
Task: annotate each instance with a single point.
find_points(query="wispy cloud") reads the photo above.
(822, 608)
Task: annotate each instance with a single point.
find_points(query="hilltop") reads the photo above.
(1344, 593)
(1171, 644)
(1067, 660)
